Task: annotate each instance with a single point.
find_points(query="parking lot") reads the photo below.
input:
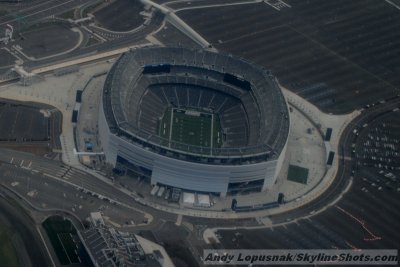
(128, 17)
(353, 223)
(322, 51)
(6, 59)
(365, 217)
(20, 123)
(377, 150)
(47, 39)
(170, 36)
(29, 127)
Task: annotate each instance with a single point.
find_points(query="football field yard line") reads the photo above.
(212, 132)
(190, 127)
(170, 127)
(65, 251)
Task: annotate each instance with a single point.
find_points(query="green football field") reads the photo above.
(60, 233)
(191, 127)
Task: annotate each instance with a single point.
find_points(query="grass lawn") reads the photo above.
(297, 174)
(8, 254)
(68, 15)
(3, 12)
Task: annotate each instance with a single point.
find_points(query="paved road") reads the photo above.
(349, 223)
(346, 166)
(339, 226)
(48, 194)
(57, 171)
(28, 15)
(92, 183)
(365, 218)
(21, 224)
(132, 39)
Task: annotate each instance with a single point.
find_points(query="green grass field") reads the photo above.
(59, 232)
(3, 12)
(297, 174)
(67, 15)
(217, 135)
(69, 246)
(8, 254)
(191, 127)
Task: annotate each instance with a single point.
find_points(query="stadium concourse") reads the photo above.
(194, 120)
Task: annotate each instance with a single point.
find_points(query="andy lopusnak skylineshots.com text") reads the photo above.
(293, 257)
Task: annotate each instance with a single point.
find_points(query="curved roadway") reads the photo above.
(345, 172)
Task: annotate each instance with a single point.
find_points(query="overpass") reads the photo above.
(87, 153)
(172, 18)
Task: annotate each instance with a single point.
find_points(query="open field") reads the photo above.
(339, 55)
(8, 255)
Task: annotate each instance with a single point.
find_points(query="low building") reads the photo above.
(111, 248)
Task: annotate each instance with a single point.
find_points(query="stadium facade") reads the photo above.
(145, 84)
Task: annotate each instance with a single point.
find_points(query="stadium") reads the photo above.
(194, 119)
